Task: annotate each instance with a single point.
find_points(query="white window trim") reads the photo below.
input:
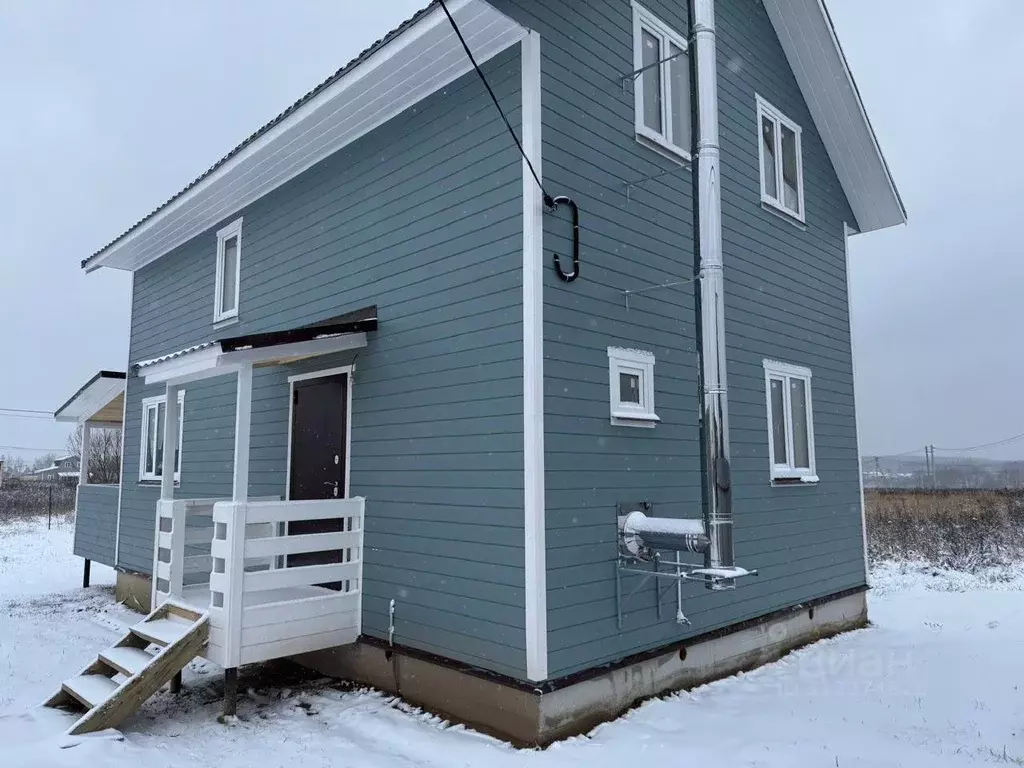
(765, 109)
(148, 403)
(234, 229)
(644, 19)
(640, 363)
(784, 470)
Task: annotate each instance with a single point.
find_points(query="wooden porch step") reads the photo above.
(163, 631)
(90, 690)
(126, 660)
(180, 631)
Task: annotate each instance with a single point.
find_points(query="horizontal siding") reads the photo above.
(96, 522)
(590, 153)
(423, 217)
(786, 298)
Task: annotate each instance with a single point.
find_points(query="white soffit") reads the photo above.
(420, 60)
(104, 389)
(808, 37)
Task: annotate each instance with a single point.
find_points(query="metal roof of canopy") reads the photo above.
(224, 356)
(100, 399)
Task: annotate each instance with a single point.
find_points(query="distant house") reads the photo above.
(63, 470)
(507, 355)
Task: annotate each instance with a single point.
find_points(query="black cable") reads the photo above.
(549, 201)
(26, 410)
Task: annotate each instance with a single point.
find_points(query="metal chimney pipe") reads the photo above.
(714, 406)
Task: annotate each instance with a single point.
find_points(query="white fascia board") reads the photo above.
(91, 401)
(812, 49)
(210, 361)
(193, 366)
(418, 62)
(284, 352)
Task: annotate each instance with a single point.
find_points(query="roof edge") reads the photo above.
(860, 103)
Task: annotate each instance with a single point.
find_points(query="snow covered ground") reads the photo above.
(937, 681)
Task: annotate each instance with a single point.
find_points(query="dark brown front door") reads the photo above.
(319, 411)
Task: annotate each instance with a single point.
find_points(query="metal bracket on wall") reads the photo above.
(654, 567)
(647, 288)
(622, 509)
(631, 185)
(631, 77)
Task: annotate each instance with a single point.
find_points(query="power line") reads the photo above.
(27, 410)
(995, 444)
(26, 448)
(548, 200)
(25, 416)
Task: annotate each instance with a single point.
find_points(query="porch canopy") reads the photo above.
(239, 355)
(98, 403)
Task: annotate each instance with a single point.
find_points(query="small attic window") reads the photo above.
(229, 262)
(662, 86)
(781, 156)
(631, 387)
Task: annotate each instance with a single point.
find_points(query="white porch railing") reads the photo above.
(261, 610)
(230, 558)
(181, 549)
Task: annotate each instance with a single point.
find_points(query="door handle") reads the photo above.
(333, 485)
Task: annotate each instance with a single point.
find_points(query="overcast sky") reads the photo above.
(112, 107)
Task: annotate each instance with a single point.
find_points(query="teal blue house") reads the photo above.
(559, 291)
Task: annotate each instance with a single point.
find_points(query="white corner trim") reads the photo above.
(124, 423)
(234, 229)
(847, 231)
(535, 546)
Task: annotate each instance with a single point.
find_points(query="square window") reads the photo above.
(154, 411)
(790, 423)
(631, 385)
(661, 83)
(782, 176)
(229, 262)
(629, 388)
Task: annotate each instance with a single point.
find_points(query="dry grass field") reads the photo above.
(959, 529)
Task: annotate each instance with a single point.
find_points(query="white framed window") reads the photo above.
(151, 457)
(229, 262)
(790, 422)
(781, 156)
(631, 387)
(662, 86)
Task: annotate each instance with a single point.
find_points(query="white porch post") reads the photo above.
(166, 507)
(235, 531)
(83, 460)
(243, 423)
(170, 443)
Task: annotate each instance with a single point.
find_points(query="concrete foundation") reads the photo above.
(528, 716)
(133, 589)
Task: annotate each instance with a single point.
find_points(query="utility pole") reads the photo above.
(929, 467)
